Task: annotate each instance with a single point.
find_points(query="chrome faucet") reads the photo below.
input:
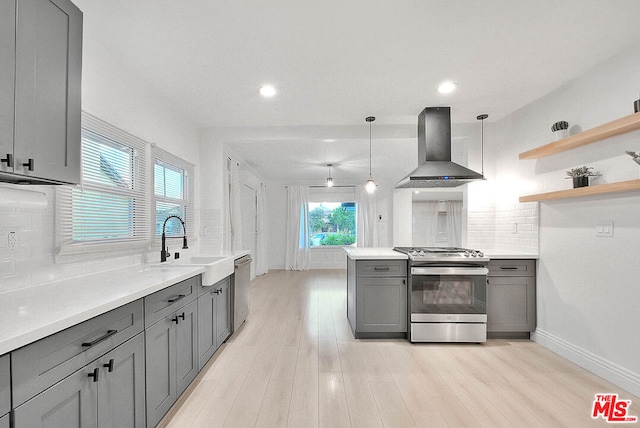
(164, 252)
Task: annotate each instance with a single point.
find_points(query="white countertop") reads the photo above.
(373, 253)
(30, 314)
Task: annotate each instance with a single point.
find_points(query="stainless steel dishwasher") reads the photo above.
(241, 279)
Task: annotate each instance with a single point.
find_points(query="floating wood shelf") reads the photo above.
(621, 186)
(616, 127)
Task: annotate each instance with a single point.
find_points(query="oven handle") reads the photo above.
(448, 271)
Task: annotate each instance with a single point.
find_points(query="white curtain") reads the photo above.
(262, 256)
(297, 236)
(425, 223)
(454, 223)
(367, 226)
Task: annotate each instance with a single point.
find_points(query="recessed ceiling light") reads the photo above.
(267, 91)
(446, 87)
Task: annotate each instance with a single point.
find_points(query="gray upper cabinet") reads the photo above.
(214, 306)
(44, 144)
(7, 73)
(5, 382)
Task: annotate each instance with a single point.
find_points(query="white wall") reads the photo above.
(112, 93)
(588, 287)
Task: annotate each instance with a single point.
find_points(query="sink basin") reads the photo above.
(215, 267)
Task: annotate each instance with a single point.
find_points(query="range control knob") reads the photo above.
(474, 253)
(480, 254)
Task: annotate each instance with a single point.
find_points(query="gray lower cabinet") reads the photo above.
(511, 298)
(43, 71)
(5, 390)
(4, 421)
(377, 297)
(214, 310)
(109, 392)
(172, 359)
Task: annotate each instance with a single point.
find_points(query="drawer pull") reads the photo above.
(95, 374)
(509, 267)
(109, 365)
(381, 268)
(100, 339)
(175, 299)
(175, 320)
(181, 316)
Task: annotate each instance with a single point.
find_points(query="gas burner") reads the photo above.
(441, 253)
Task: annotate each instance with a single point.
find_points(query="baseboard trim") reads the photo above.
(597, 365)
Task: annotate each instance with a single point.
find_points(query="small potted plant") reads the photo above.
(634, 155)
(581, 175)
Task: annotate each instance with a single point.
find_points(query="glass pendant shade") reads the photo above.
(370, 186)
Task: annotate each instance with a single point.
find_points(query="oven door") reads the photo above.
(449, 294)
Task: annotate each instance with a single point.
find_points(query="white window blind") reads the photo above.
(111, 207)
(173, 193)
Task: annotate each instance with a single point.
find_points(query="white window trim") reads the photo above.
(65, 244)
(162, 156)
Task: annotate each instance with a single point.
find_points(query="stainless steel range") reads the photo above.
(448, 294)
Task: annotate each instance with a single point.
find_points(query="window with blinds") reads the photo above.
(173, 193)
(111, 206)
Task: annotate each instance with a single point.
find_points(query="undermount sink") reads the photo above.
(216, 267)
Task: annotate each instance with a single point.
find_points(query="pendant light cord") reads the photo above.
(481, 118)
(370, 119)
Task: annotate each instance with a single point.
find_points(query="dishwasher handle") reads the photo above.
(242, 262)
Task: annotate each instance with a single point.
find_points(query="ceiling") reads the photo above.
(335, 62)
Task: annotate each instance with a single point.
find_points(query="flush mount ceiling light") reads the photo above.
(447, 87)
(330, 178)
(371, 185)
(267, 91)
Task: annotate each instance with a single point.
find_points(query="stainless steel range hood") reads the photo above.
(435, 168)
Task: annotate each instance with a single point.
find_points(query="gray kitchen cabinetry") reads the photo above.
(214, 321)
(511, 298)
(107, 393)
(171, 346)
(5, 390)
(40, 76)
(377, 298)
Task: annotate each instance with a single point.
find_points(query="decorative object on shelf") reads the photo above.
(636, 106)
(581, 175)
(371, 185)
(560, 129)
(634, 155)
(329, 178)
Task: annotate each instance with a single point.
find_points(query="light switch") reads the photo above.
(604, 228)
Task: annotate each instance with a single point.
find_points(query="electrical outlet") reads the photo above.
(13, 241)
(604, 228)
(514, 229)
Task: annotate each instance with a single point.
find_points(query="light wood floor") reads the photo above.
(295, 363)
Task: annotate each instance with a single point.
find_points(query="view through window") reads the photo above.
(332, 223)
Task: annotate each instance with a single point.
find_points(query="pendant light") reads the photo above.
(481, 118)
(371, 185)
(329, 178)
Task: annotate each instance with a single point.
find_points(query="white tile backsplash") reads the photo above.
(493, 228)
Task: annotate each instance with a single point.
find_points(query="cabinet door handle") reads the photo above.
(381, 268)
(29, 164)
(94, 374)
(404, 282)
(109, 365)
(107, 335)
(181, 316)
(175, 299)
(175, 320)
(509, 267)
(8, 160)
